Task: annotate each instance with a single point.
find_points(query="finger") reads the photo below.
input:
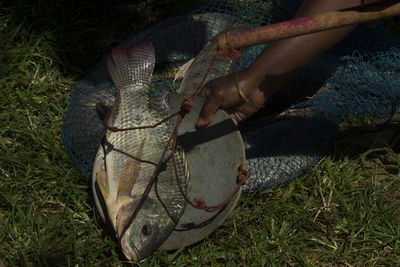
(207, 111)
(235, 118)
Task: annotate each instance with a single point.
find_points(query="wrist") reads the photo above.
(248, 87)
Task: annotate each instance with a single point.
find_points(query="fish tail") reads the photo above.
(131, 66)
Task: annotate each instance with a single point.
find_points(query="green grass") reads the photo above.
(345, 212)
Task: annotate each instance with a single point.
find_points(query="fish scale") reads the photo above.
(131, 158)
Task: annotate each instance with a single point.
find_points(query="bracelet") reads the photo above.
(245, 99)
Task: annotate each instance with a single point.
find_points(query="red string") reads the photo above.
(147, 190)
(231, 52)
(186, 107)
(116, 129)
(198, 203)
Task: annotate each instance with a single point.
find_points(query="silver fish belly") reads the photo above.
(127, 160)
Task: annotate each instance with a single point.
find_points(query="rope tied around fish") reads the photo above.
(186, 108)
(228, 44)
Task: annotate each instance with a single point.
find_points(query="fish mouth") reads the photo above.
(130, 251)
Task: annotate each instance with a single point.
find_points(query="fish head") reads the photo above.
(148, 230)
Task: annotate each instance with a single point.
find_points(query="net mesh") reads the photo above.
(360, 76)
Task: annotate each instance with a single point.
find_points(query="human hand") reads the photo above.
(223, 92)
(277, 64)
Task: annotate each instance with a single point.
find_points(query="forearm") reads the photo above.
(283, 59)
(274, 67)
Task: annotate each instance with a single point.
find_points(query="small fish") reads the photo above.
(128, 159)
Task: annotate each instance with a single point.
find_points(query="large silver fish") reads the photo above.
(126, 160)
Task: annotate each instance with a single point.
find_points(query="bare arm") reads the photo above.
(277, 64)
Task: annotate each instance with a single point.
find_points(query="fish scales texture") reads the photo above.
(134, 154)
(132, 109)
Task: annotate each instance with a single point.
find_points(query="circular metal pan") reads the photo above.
(214, 155)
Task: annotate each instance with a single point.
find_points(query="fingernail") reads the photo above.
(200, 122)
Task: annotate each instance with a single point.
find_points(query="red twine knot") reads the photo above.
(187, 105)
(243, 175)
(231, 51)
(200, 203)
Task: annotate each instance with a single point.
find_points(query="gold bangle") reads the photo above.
(245, 99)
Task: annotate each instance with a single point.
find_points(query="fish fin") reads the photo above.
(180, 74)
(101, 178)
(131, 66)
(131, 172)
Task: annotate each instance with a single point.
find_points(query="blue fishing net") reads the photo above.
(366, 83)
(360, 76)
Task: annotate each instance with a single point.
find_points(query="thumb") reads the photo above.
(207, 111)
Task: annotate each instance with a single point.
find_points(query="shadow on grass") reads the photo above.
(355, 140)
(82, 31)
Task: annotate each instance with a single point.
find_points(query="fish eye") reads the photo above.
(146, 230)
